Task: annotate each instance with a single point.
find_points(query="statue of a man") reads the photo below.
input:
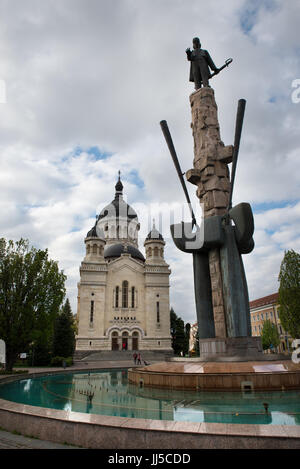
(201, 63)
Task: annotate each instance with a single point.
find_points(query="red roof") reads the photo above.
(266, 300)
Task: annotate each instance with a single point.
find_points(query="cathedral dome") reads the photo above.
(115, 250)
(118, 208)
(92, 233)
(118, 220)
(154, 235)
(95, 232)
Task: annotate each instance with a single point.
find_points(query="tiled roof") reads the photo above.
(266, 300)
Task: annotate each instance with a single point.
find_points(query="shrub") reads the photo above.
(59, 361)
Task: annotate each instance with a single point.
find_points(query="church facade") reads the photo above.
(123, 296)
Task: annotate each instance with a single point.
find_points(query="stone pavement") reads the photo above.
(15, 441)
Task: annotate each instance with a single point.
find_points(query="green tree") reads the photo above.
(64, 333)
(31, 291)
(289, 293)
(269, 335)
(173, 317)
(177, 333)
(187, 330)
(196, 344)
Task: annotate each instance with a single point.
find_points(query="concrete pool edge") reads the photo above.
(97, 431)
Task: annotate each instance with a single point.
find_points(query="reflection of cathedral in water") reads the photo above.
(112, 396)
(123, 297)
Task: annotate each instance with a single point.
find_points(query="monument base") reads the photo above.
(230, 347)
(215, 376)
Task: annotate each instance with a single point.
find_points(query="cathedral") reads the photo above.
(123, 296)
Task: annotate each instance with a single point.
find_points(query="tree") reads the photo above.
(269, 335)
(173, 317)
(187, 330)
(177, 333)
(196, 344)
(31, 291)
(64, 333)
(289, 293)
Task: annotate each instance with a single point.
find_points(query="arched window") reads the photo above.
(156, 252)
(94, 248)
(88, 249)
(132, 297)
(92, 312)
(117, 297)
(125, 294)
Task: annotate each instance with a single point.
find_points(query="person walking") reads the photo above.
(135, 357)
(139, 360)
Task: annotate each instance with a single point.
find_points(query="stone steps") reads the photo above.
(117, 355)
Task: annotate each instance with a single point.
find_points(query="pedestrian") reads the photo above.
(135, 357)
(139, 361)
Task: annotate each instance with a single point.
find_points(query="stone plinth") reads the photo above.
(230, 347)
(227, 292)
(219, 376)
(211, 176)
(211, 156)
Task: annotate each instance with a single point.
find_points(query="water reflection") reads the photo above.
(108, 393)
(27, 385)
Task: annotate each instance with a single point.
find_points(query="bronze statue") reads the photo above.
(201, 64)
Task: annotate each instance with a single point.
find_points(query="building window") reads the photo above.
(157, 312)
(125, 294)
(95, 249)
(132, 297)
(92, 312)
(155, 252)
(117, 297)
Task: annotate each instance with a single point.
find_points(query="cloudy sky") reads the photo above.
(84, 85)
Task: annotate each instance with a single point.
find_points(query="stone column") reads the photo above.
(211, 176)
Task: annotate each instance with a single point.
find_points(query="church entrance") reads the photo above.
(135, 341)
(125, 341)
(115, 341)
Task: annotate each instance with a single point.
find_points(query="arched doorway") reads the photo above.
(125, 341)
(114, 341)
(135, 340)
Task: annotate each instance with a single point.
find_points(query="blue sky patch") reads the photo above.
(135, 179)
(249, 13)
(94, 151)
(265, 206)
(273, 99)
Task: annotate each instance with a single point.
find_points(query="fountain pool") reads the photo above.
(107, 392)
